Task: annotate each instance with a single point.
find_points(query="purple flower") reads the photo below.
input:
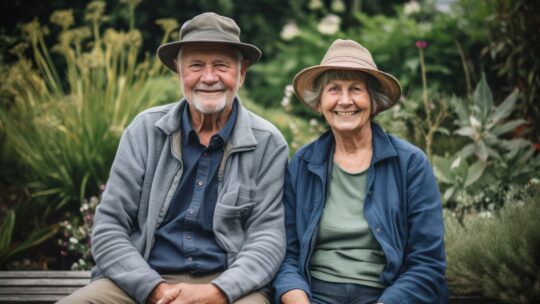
(421, 44)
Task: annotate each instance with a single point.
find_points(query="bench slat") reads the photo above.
(44, 282)
(44, 274)
(30, 298)
(37, 290)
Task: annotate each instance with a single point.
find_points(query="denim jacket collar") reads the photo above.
(320, 154)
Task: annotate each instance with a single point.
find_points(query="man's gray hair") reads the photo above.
(379, 99)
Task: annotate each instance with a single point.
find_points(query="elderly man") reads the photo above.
(191, 212)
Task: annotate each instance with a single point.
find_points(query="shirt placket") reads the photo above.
(190, 220)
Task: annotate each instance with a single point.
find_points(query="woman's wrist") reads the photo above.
(295, 296)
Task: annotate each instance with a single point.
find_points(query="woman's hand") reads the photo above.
(295, 296)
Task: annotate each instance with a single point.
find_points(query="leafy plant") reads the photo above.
(10, 249)
(512, 48)
(485, 124)
(457, 173)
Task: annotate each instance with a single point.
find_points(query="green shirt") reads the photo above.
(346, 250)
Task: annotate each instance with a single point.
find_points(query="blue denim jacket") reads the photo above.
(402, 207)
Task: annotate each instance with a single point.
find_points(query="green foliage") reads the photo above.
(498, 164)
(497, 255)
(66, 132)
(297, 131)
(485, 124)
(514, 48)
(11, 249)
(456, 172)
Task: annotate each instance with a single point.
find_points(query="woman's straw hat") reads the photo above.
(346, 55)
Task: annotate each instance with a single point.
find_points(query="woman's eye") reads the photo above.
(333, 89)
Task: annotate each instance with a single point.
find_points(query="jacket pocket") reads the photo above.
(230, 216)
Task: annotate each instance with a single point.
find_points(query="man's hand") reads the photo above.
(159, 291)
(193, 294)
(295, 296)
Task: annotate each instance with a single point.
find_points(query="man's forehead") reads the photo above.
(218, 50)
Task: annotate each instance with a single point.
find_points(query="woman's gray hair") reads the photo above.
(379, 100)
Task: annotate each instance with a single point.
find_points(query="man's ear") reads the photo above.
(243, 71)
(176, 66)
(244, 68)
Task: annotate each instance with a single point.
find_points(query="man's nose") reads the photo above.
(209, 75)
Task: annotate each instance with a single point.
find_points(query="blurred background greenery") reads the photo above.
(73, 74)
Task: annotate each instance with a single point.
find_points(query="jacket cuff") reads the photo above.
(279, 291)
(141, 294)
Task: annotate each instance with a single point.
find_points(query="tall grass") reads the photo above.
(64, 127)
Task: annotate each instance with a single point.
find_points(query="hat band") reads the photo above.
(211, 35)
(346, 59)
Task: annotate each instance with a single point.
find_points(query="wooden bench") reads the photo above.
(40, 286)
(51, 286)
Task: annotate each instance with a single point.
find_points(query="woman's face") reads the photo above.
(346, 105)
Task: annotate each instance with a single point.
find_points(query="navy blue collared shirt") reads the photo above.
(185, 240)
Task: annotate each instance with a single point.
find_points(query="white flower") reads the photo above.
(285, 102)
(411, 7)
(289, 31)
(313, 122)
(289, 90)
(485, 214)
(315, 4)
(73, 240)
(338, 6)
(329, 25)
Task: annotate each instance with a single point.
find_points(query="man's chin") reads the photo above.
(210, 106)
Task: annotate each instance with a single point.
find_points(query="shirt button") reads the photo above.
(191, 211)
(200, 183)
(378, 229)
(188, 237)
(190, 258)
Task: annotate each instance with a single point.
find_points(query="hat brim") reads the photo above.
(167, 52)
(303, 82)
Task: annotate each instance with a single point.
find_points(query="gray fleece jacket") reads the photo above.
(248, 218)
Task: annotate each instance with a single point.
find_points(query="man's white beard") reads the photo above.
(216, 107)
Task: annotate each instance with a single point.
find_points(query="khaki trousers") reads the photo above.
(105, 291)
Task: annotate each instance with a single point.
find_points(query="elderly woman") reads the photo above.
(363, 211)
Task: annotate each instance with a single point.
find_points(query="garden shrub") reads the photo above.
(497, 255)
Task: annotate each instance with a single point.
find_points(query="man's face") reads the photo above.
(210, 75)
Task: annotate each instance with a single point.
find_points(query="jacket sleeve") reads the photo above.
(423, 277)
(116, 221)
(288, 276)
(263, 250)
